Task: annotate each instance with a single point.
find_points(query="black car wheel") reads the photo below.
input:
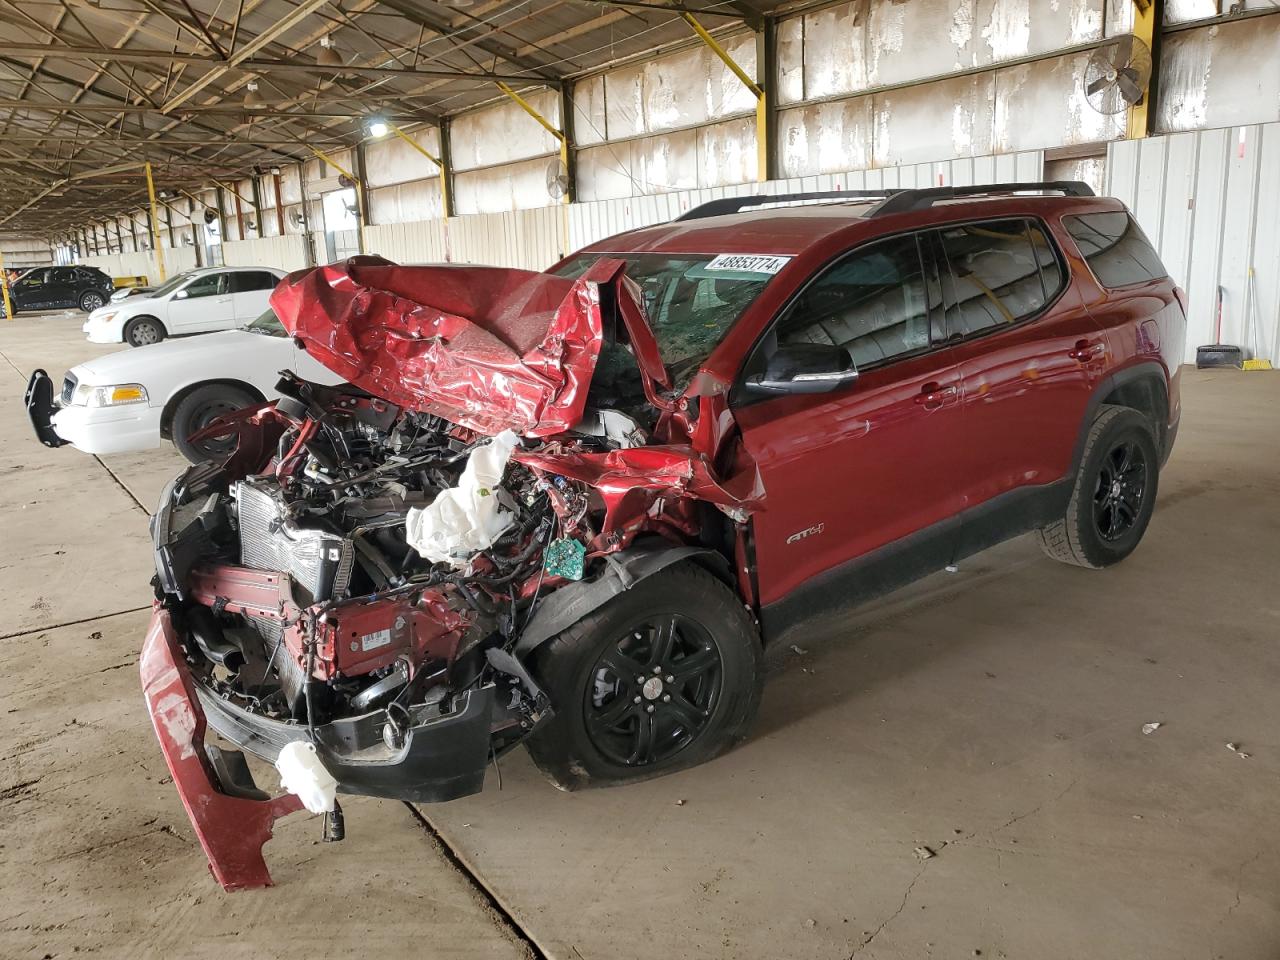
(664, 676)
(91, 301)
(1114, 493)
(141, 331)
(197, 410)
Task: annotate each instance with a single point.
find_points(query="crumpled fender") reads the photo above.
(488, 348)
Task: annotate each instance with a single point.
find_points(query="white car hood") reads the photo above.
(133, 364)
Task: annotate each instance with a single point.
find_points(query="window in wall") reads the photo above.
(1117, 250)
(1002, 271)
(874, 303)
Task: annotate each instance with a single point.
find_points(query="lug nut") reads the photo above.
(649, 708)
(657, 669)
(636, 700)
(670, 679)
(666, 698)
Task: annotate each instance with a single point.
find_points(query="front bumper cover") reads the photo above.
(438, 757)
(41, 408)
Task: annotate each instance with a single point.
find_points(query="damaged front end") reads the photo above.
(363, 574)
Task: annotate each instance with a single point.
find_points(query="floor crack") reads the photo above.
(906, 895)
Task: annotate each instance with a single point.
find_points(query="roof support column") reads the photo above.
(1148, 17)
(446, 187)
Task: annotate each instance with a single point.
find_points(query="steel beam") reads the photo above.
(762, 106)
(251, 65)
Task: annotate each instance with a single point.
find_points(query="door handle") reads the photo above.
(934, 395)
(1086, 350)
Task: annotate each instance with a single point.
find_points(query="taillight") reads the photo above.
(1182, 298)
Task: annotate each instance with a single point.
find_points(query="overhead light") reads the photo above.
(252, 98)
(328, 55)
(377, 128)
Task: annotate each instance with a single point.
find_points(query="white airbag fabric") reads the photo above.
(465, 519)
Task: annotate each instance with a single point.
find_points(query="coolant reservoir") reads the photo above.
(301, 772)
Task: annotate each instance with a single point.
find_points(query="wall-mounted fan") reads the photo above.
(1116, 75)
(210, 215)
(345, 182)
(296, 218)
(557, 179)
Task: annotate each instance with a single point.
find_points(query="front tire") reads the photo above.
(1114, 493)
(91, 301)
(197, 410)
(664, 676)
(141, 331)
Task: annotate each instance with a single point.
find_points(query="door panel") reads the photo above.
(252, 291)
(1028, 371)
(849, 472)
(209, 305)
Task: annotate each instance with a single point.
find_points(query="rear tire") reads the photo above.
(141, 331)
(195, 411)
(1113, 496)
(91, 301)
(635, 699)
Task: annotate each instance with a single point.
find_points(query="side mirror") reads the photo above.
(804, 368)
(181, 294)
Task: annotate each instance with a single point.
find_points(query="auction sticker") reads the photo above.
(748, 263)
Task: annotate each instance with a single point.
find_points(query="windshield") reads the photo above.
(170, 285)
(689, 302)
(269, 324)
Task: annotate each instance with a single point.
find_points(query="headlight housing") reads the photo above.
(105, 317)
(110, 395)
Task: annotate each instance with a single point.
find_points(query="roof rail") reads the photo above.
(904, 201)
(724, 205)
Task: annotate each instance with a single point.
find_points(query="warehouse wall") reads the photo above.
(21, 252)
(1209, 202)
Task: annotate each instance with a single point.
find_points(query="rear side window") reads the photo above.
(246, 281)
(875, 303)
(1002, 271)
(1117, 250)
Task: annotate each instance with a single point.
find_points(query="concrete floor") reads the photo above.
(993, 715)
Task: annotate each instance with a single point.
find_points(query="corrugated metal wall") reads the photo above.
(536, 238)
(144, 264)
(288, 252)
(1210, 202)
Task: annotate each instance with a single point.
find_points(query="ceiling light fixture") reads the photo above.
(252, 98)
(328, 55)
(377, 128)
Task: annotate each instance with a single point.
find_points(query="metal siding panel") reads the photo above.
(1211, 183)
(1266, 252)
(1179, 214)
(1239, 217)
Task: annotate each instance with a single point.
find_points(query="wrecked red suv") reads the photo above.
(566, 508)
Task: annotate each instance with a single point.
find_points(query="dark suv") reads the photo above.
(566, 509)
(53, 288)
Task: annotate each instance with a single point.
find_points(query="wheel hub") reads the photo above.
(652, 688)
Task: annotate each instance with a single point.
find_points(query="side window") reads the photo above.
(1117, 250)
(36, 278)
(1002, 271)
(207, 286)
(874, 302)
(246, 281)
(64, 275)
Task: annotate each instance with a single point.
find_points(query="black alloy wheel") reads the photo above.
(91, 301)
(654, 690)
(1122, 485)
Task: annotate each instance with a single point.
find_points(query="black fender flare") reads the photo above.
(1148, 370)
(623, 570)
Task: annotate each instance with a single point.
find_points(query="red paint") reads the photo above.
(485, 347)
(231, 830)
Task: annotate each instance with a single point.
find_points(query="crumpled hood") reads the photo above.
(488, 348)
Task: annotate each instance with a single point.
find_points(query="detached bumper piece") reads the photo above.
(40, 408)
(231, 819)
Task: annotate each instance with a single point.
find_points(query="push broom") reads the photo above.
(1254, 321)
(1218, 354)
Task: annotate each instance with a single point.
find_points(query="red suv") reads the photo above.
(567, 508)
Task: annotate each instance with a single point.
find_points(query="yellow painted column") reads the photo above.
(4, 288)
(1138, 120)
(155, 225)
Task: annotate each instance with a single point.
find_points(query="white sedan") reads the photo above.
(134, 399)
(199, 301)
